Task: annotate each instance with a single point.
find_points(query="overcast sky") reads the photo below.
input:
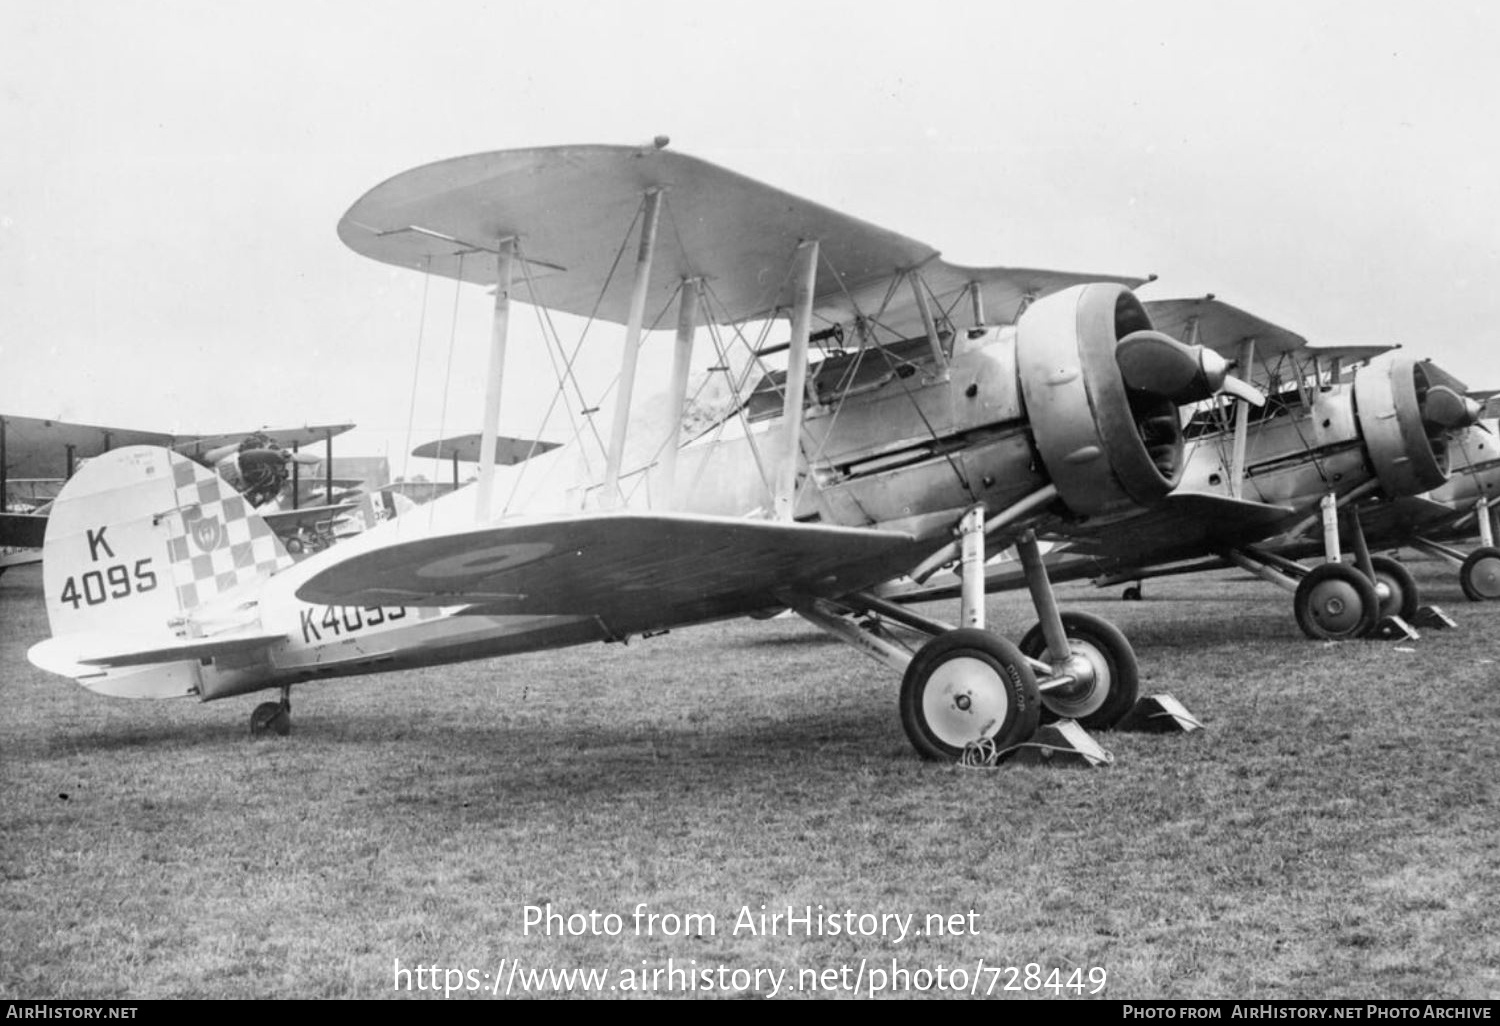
(171, 172)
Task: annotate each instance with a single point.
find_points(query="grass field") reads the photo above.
(1333, 833)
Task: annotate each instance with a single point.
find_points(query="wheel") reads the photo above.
(271, 717)
(1480, 575)
(967, 686)
(1132, 594)
(1335, 602)
(1402, 594)
(1108, 675)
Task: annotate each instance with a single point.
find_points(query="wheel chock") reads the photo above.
(1063, 743)
(1393, 628)
(1160, 714)
(1433, 617)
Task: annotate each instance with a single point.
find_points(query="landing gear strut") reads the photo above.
(273, 717)
(968, 687)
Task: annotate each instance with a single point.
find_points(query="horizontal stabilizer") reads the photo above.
(73, 655)
(631, 571)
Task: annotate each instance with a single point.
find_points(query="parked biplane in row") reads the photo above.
(1434, 522)
(918, 414)
(38, 456)
(1347, 434)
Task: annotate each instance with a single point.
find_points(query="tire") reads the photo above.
(964, 687)
(1480, 575)
(1131, 594)
(1109, 697)
(1403, 594)
(269, 717)
(1335, 602)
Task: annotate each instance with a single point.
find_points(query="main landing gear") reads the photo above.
(1478, 571)
(968, 687)
(1338, 601)
(273, 717)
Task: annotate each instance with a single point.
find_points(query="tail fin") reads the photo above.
(138, 539)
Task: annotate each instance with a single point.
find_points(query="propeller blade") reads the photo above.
(1449, 409)
(1152, 362)
(213, 456)
(1241, 389)
(304, 457)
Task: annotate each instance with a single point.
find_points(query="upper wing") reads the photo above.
(1221, 327)
(34, 447)
(287, 438)
(40, 448)
(572, 207)
(632, 571)
(508, 451)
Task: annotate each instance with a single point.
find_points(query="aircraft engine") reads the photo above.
(1406, 419)
(1102, 391)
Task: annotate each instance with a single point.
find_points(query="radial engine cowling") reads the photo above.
(1409, 452)
(1105, 447)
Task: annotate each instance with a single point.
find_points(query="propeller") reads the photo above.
(1450, 410)
(1152, 362)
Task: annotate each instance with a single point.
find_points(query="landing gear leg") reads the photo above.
(1090, 671)
(273, 717)
(1479, 576)
(1395, 588)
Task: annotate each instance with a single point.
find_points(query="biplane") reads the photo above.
(265, 465)
(1344, 429)
(916, 414)
(1436, 522)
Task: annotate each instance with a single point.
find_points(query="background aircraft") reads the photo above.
(1024, 397)
(1432, 522)
(467, 448)
(36, 452)
(1328, 437)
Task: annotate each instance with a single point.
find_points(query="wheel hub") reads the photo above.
(965, 700)
(1486, 578)
(1336, 605)
(1090, 685)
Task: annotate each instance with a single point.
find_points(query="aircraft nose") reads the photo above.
(1152, 362)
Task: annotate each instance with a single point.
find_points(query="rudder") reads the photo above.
(137, 540)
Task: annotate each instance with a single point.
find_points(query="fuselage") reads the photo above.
(887, 444)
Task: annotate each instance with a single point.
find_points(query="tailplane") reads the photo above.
(137, 541)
